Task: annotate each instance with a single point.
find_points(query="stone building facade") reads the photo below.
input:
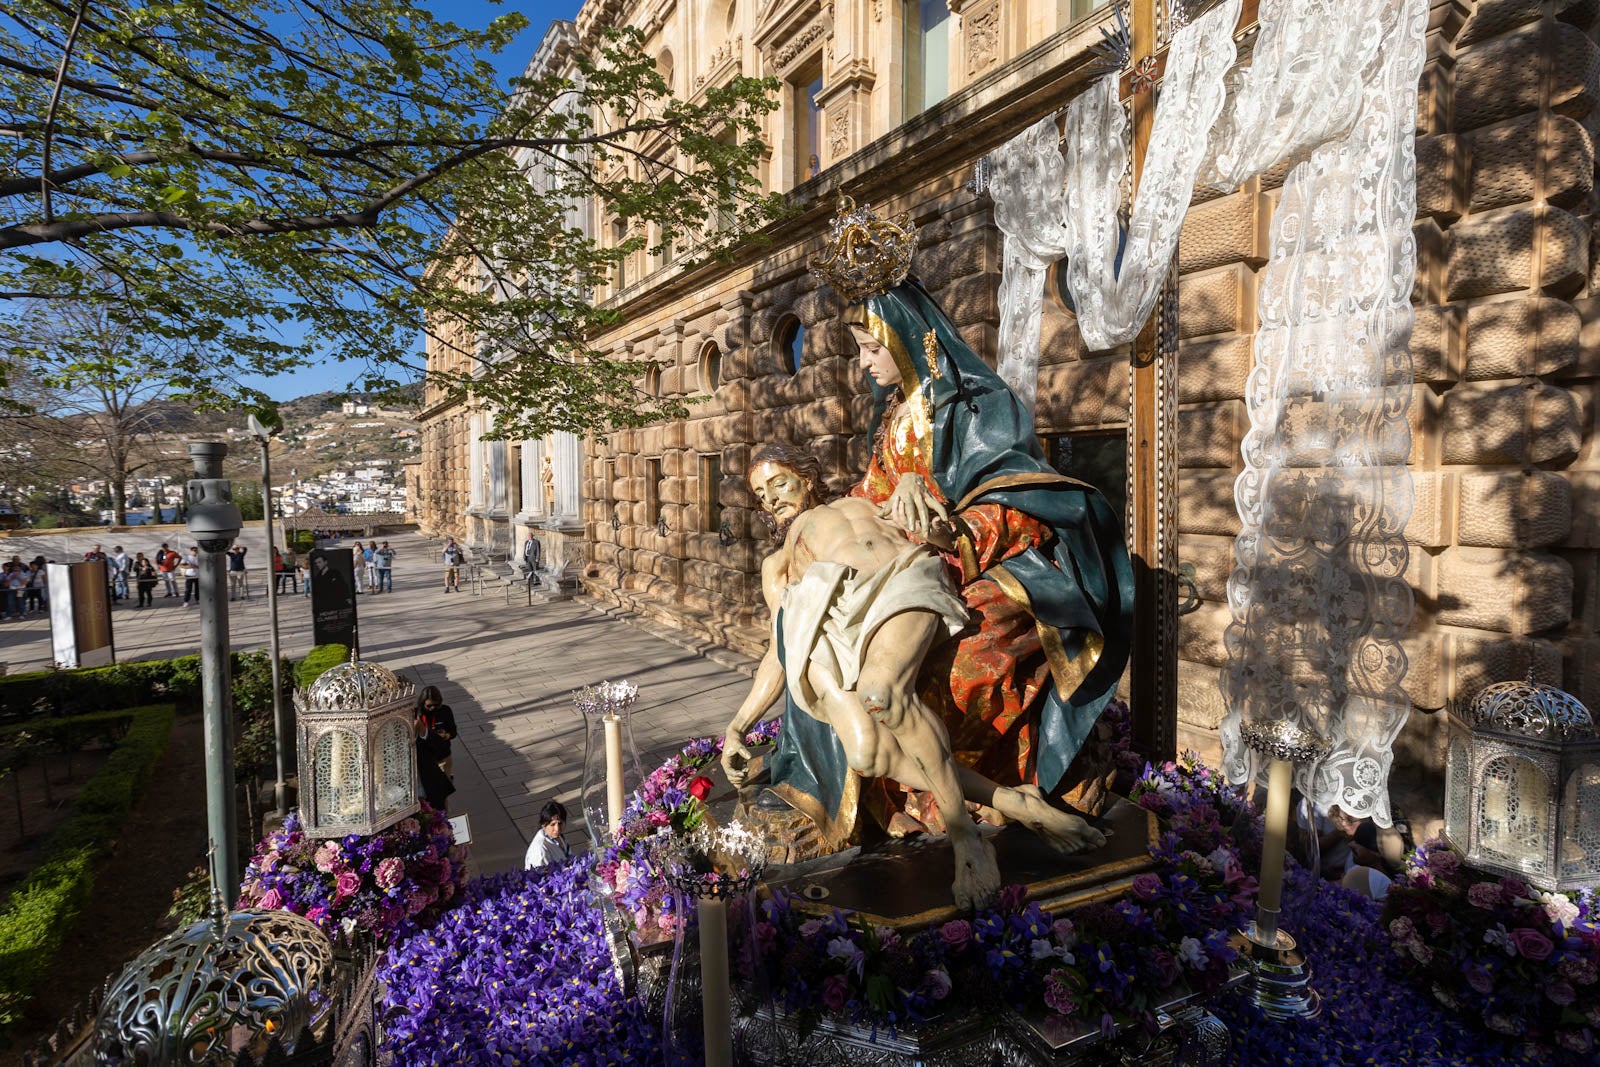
(897, 101)
(492, 494)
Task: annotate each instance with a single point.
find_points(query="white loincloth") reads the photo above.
(831, 613)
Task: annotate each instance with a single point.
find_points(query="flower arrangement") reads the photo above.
(517, 972)
(672, 797)
(1107, 964)
(1522, 962)
(385, 884)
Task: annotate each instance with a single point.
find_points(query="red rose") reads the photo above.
(700, 787)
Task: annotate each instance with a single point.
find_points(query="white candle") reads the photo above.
(714, 992)
(613, 727)
(1496, 812)
(1280, 780)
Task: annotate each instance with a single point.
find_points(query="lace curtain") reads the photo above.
(1318, 595)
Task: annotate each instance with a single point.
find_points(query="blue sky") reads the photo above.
(333, 376)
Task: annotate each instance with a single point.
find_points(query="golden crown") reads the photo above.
(865, 254)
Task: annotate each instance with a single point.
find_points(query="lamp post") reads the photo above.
(214, 523)
(279, 733)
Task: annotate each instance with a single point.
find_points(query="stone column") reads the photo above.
(567, 452)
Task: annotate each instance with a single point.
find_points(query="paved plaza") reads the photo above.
(507, 670)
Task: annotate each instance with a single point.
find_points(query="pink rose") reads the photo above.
(1444, 861)
(1145, 886)
(328, 858)
(318, 913)
(1531, 944)
(1514, 888)
(1484, 895)
(956, 934)
(835, 992)
(390, 873)
(1478, 978)
(1064, 932)
(347, 883)
(271, 900)
(937, 982)
(1574, 1039)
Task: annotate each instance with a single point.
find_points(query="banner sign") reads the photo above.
(333, 597)
(80, 614)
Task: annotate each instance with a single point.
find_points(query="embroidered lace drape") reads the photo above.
(1318, 594)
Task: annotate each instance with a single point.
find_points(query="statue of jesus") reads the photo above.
(857, 606)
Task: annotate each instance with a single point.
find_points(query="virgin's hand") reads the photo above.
(913, 507)
(735, 759)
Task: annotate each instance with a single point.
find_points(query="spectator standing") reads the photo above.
(238, 584)
(118, 563)
(386, 569)
(548, 846)
(8, 606)
(17, 587)
(358, 567)
(167, 565)
(532, 558)
(453, 558)
(435, 726)
(38, 578)
(145, 577)
(190, 566)
(369, 556)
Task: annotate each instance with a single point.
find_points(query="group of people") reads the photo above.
(374, 567)
(24, 588)
(139, 574)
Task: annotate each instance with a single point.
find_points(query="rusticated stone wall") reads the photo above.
(1506, 351)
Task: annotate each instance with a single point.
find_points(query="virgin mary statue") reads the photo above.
(1038, 557)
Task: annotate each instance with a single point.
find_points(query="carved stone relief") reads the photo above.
(983, 38)
(839, 136)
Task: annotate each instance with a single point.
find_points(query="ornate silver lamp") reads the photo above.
(230, 983)
(1522, 785)
(358, 758)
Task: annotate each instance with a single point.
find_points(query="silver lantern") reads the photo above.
(358, 757)
(232, 982)
(1522, 785)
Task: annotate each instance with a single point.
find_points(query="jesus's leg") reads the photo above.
(918, 753)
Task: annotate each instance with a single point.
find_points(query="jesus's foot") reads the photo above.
(977, 873)
(1061, 830)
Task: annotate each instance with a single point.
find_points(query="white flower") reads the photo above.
(842, 948)
(1560, 908)
(1500, 938)
(1042, 948)
(1192, 953)
(1223, 859)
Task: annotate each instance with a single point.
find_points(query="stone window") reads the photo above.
(711, 491)
(619, 235)
(927, 54)
(1101, 459)
(664, 66)
(1070, 11)
(652, 380)
(789, 341)
(806, 114)
(710, 367)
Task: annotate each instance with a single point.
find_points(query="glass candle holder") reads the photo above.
(713, 874)
(611, 769)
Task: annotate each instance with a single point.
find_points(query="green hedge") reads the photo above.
(302, 541)
(134, 684)
(318, 660)
(39, 912)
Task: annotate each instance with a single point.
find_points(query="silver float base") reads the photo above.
(1280, 975)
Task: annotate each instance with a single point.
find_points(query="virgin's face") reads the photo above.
(875, 359)
(780, 490)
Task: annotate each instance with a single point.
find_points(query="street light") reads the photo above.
(279, 731)
(214, 523)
